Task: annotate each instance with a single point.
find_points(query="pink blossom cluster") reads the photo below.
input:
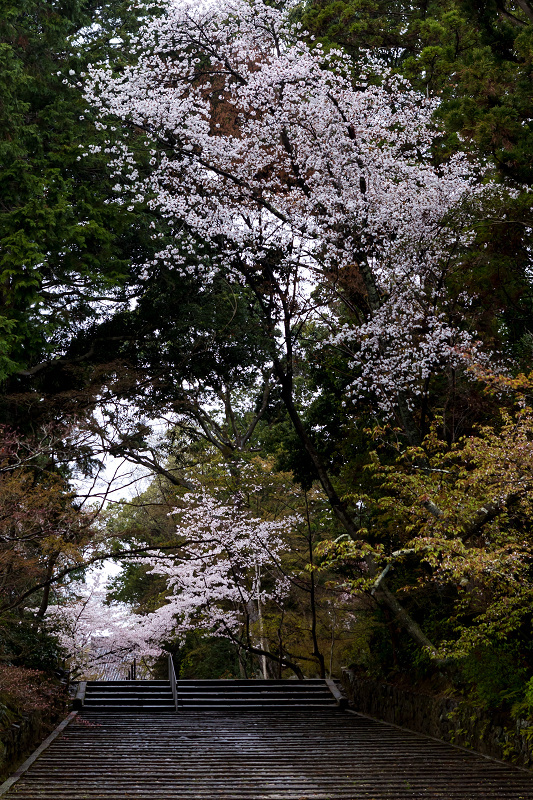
(406, 340)
(230, 560)
(95, 635)
(226, 563)
(296, 164)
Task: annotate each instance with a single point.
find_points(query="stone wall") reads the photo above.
(449, 719)
(19, 739)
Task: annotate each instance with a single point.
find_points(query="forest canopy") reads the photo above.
(278, 257)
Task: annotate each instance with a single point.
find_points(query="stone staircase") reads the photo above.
(253, 695)
(126, 697)
(197, 696)
(305, 755)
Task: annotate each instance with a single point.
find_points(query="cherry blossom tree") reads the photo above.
(97, 637)
(224, 570)
(303, 176)
(302, 623)
(299, 166)
(226, 574)
(290, 169)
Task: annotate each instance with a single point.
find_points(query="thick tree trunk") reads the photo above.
(52, 560)
(312, 599)
(285, 379)
(527, 8)
(384, 595)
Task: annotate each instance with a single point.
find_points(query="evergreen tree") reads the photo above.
(66, 254)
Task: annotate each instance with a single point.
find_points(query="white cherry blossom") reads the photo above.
(230, 561)
(295, 165)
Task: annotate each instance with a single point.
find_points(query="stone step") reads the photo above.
(201, 696)
(252, 690)
(132, 701)
(316, 755)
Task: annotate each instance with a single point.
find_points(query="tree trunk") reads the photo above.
(385, 596)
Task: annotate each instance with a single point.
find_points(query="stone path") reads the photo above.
(323, 755)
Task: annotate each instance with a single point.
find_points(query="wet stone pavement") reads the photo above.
(322, 755)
